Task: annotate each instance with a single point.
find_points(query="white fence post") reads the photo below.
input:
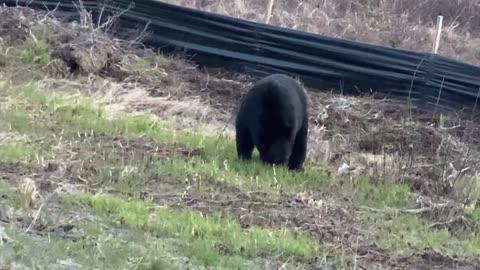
(269, 11)
(438, 34)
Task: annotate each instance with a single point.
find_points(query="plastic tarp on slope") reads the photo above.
(320, 62)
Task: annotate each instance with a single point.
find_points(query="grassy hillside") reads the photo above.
(112, 156)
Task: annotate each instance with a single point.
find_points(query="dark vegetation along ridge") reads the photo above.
(116, 157)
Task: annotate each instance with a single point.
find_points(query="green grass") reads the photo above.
(93, 245)
(26, 60)
(77, 133)
(209, 240)
(130, 250)
(475, 214)
(37, 53)
(74, 116)
(18, 151)
(407, 234)
(383, 195)
(124, 230)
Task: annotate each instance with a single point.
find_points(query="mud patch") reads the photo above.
(15, 172)
(139, 147)
(40, 226)
(39, 217)
(10, 169)
(222, 90)
(431, 260)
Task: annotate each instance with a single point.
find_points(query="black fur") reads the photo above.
(273, 117)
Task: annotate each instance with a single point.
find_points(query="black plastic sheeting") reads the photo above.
(258, 49)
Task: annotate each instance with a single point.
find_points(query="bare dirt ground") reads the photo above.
(437, 156)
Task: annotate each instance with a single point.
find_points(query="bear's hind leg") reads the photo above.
(299, 149)
(244, 143)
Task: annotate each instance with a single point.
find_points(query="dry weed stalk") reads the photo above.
(29, 192)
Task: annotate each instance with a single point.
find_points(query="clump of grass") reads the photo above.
(146, 70)
(475, 214)
(18, 151)
(37, 53)
(133, 213)
(387, 194)
(28, 193)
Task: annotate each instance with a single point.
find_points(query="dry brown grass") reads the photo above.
(380, 138)
(182, 112)
(406, 24)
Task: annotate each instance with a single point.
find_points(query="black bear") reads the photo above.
(273, 117)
